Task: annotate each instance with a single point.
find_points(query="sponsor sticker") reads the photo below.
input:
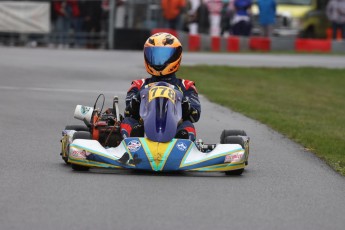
(79, 154)
(227, 159)
(84, 109)
(134, 146)
(182, 146)
(233, 158)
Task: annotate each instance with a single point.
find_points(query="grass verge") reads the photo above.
(305, 104)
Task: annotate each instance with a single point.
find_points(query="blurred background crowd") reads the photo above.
(86, 23)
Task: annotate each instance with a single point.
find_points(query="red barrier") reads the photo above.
(194, 43)
(215, 44)
(260, 43)
(165, 30)
(233, 44)
(312, 45)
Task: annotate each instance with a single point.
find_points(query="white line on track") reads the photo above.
(60, 90)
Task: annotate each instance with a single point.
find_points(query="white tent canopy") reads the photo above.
(24, 17)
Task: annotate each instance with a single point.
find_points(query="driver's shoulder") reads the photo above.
(139, 83)
(187, 84)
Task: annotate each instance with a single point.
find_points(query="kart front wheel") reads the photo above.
(79, 167)
(237, 172)
(81, 135)
(65, 142)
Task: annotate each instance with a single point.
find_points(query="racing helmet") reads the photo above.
(162, 54)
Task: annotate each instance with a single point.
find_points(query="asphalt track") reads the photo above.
(284, 186)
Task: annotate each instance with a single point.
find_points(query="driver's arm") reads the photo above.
(193, 112)
(132, 99)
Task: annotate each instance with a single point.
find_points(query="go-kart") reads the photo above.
(99, 143)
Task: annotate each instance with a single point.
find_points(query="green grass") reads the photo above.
(305, 104)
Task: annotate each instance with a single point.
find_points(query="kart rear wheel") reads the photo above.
(81, 135)
(227, 133)
(77, 128)
(235, 140)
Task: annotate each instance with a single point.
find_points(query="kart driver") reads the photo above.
(162, 54)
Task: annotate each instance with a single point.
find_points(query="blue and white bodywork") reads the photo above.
(159, 150)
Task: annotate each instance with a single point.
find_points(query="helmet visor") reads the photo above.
(160, 56)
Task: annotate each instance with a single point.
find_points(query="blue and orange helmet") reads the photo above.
(163, 54)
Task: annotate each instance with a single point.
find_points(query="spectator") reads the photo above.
(120, 13)
(172, 12)
(65, 11)
(77, 25)
(215, 9)
(226, 16)
(92, 14)
(267, 15)
(241, 24)
(336, 14)
(203, 18)
(193, 16)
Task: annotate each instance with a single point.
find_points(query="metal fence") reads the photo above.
(87, 23)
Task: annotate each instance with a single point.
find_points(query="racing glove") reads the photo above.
(188, 112)
(186, 108)
(134, 107)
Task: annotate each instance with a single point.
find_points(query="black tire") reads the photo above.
(77, 128)
(235, 140)
(237, 172)
(80, 167)
(227, 133)
(81, 135)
